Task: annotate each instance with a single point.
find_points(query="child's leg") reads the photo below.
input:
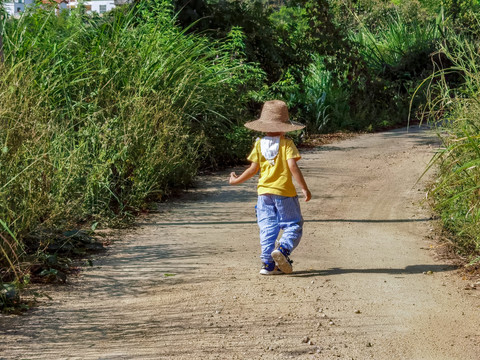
(290, 221)
(267, 219)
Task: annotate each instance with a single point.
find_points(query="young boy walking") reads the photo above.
(277, 207)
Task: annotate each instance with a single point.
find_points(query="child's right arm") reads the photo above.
(298, 176)
(247, 174)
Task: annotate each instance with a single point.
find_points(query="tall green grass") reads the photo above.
(456, 110)
(325, 99)
(99, 116)
(398, 53)
(399, 46)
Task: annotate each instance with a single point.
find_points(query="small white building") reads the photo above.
(16, 8)
(98, 6)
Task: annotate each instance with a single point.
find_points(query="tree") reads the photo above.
(329, 40)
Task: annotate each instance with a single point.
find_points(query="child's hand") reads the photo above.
(233, 178)
(307, 194)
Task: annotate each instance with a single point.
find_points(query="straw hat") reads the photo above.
(274, 118)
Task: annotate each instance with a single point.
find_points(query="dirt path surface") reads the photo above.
(185, 283)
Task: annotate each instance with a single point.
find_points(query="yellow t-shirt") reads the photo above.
(276, 179)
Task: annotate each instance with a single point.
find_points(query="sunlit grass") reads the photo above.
(99, 116)
(456, 111)
(399, 44)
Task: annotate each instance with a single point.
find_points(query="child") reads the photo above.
(277, 206)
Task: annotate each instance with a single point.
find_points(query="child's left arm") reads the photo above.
(297, 174)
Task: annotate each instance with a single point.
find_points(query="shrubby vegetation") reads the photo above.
(100, 116)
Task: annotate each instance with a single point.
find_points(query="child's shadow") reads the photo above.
(408, 270)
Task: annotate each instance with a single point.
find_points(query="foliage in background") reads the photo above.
(289, 42)
(216, 18)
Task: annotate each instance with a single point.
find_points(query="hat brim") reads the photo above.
(265, 126)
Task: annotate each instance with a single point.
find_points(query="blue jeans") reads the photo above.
(275, 213)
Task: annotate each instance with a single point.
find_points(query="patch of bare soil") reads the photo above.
(185, 283)
(316, 140)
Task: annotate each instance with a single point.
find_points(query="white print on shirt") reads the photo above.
(269, 146)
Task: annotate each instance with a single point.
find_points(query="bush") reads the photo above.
(216, 18)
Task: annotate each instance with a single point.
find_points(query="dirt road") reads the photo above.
(185, 283)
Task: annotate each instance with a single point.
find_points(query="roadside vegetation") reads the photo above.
(102, 116)
(455, 109)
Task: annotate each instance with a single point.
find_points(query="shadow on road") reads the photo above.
(409, 270)
(203, 223)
